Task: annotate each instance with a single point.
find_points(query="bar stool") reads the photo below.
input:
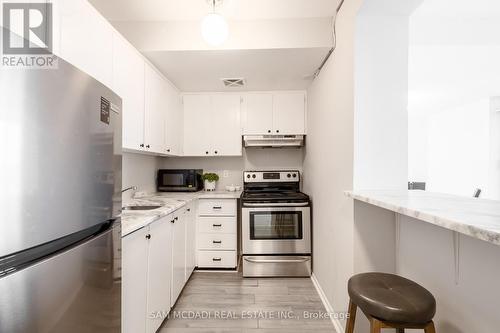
(390, 301)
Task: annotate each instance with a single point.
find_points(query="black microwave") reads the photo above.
(179, 180)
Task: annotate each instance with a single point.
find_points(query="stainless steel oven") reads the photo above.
(276, 225)
(276, 230)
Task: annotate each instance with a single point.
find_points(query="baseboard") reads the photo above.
(336, 323)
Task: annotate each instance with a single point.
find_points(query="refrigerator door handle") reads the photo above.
(17, 261)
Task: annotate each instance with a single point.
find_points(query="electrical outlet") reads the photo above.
(225, 173)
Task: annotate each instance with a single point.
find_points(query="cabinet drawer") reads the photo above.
(222, 259)
(221, 225)
(214, 207)
(216, 241)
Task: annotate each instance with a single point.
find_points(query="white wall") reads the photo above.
(458, 149)
(454, 75)
(381, 116)
(328, 163)
(139, 170)
(253, 159)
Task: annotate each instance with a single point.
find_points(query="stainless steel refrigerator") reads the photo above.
(60, 196)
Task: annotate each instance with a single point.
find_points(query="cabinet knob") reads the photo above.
(217, 242)
(147, 146)
(176, 218)
(142, 145)
(216, 259)
(216, 151)
(148, 236)
(168, 150)
(206, 152)
(268, 131)
(189, 209)
(277, 131)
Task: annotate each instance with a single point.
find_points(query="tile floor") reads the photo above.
(228, 303)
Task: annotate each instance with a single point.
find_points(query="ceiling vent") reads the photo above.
(234, 83)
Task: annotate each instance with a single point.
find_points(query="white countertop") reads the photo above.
(170, 202)
(478, 218)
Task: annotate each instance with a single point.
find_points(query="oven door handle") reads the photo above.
(257, 261)
(276, 204)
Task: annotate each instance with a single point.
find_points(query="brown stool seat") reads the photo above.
(392, 298)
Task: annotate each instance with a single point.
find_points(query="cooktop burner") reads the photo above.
(274, 196)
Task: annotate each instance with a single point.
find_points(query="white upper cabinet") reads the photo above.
(197, 125)
(212, 125)
(128, 82)
(257, 112)
(274, 113)
(155, 108)
(226, 125)
(84, 38)
(289, 113)
(173, 126)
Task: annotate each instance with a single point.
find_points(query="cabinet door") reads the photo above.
(178, 256)
(289, 113)
(173, 127)
(197, 125)
(134, 281)
(226, 125)
(154, 111)
(257, 112)
(159, 273)
(128, 82)
(190, 223)
(86, 38)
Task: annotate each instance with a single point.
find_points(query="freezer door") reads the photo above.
(60, 170)
(76, 290)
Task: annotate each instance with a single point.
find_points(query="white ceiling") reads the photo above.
(167, 10)
(273, 69)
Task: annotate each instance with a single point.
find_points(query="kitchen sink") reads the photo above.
(141, 207)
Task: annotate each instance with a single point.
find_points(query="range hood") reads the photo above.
(273, 141)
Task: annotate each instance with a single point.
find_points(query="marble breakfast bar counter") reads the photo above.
(478, 218)
(169, 202)
(447, 243)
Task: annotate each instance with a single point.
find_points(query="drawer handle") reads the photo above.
(217, 225)
(217, 207)
(262, 261)
(217, 242)
(216, 259)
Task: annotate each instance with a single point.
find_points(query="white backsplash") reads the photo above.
(230, 169)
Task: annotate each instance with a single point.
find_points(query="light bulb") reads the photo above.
(214, 29)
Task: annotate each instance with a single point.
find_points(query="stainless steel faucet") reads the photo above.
(130, 188)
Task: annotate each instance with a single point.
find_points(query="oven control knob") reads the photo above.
(294, 175)
(289, 175)
(254, 176)
(248, 176)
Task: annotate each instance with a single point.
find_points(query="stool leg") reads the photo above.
(349, 328)
(375, 326)
(430, 328)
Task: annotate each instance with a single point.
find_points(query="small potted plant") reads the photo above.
(210, 179)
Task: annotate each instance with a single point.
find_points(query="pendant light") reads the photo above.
(214, 28)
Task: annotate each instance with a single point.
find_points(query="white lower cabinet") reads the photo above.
(216, 233)
(135, 248)
(159, 273)
(190, 223)
(178, 256)
(157, 261)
